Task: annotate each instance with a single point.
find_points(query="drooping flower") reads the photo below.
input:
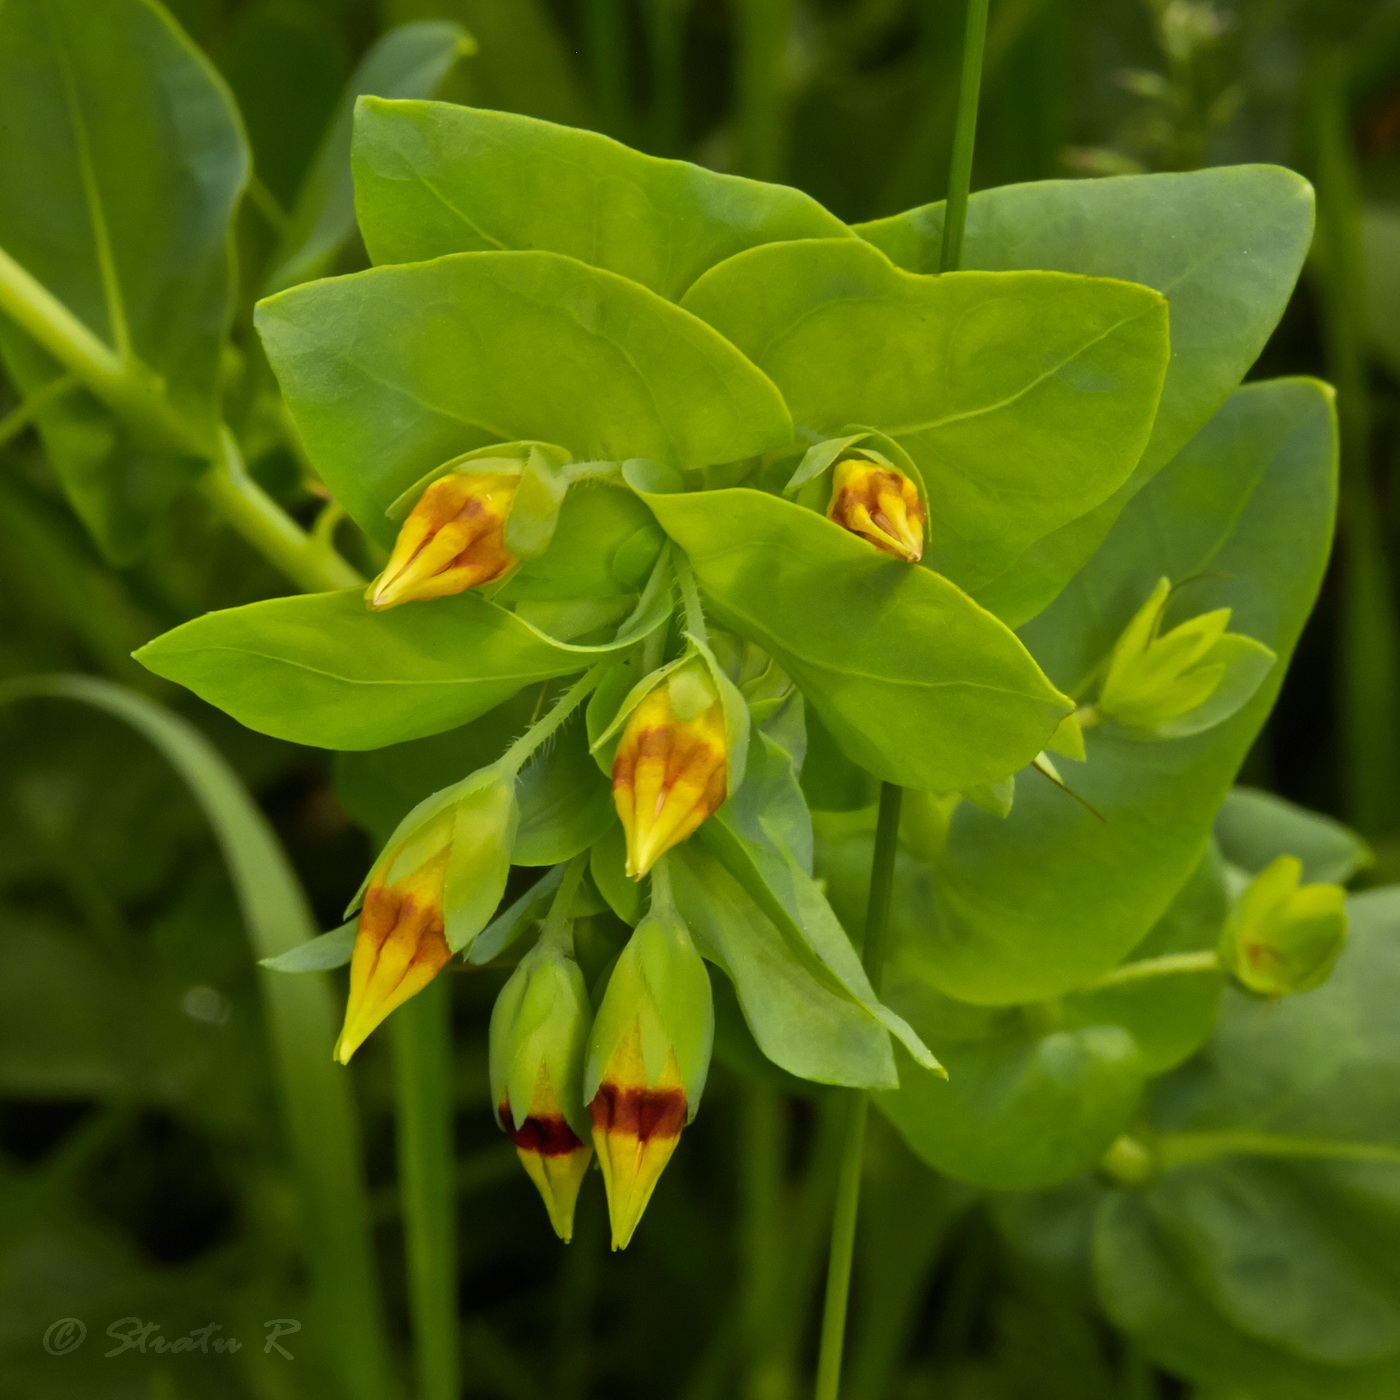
(648, 1055)
(539, 1029)
(880, 504)
(671, 767)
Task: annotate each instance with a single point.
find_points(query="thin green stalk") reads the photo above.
(1370, 633)
(843, 1224)
(605, 44)
(964, 135)
(763, 102)
(1179, 1149)
(762, 1124)
(665, 20)
(519, 752)
(422, 1038)
(134, 393)
(18, 419)
(1168, 965)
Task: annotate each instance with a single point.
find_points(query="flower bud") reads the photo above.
(1283, 936)
(539, 1030)
(1184, 681)
(452, 540)
(880, 504)
(648, 1055)
(671, 767)
(432, 890)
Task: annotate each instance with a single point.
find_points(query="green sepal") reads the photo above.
(1182, 682)
(333, 949)
(659, 985)
(540, 1022)
(1283, 936)
(993, 798)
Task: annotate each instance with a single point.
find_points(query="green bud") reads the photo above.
(539, 1033)
(1184, 681)
(1283, 936)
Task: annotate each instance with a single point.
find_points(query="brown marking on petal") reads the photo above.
(546, 1135)
(626, 1110)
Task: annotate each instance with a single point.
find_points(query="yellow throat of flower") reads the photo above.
(671, 766)
(880, 505)
(399, 949)
(453, 539)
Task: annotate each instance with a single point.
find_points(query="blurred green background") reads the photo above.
(142, 1172)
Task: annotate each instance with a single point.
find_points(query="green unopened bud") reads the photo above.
(539, 1034)
(648, 1056)
(1283, 936)
(1173, 684)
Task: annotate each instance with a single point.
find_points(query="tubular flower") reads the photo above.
(555, 1157)
(880, 505)
(648, 1056)
(539, 1030)
(452, 540)
(671, 767)
(399, 948)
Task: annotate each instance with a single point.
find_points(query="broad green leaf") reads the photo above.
(433, 178)
(1022, 1107)
(121, 162)
(915, 681)
(318, 1106)
(1224, 246)
(321, 669)
(409, 61)
(565, 802)
(1266, 1250)
(1024, 398)
(799, 1024)
(1254, 828)
(391, 372)
(1055, 894)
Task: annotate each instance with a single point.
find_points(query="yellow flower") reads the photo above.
(671, 765)
(636, 1127)
(399, 949)
(880, 505)
(452, 540)
(553, 1155)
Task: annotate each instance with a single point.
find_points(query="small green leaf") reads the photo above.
(433, 178)
(333, 949)
(1255, 827)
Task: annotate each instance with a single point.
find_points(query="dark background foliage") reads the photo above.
(141, 1172)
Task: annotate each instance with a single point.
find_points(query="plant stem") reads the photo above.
(1179, 1149)
(519, 752)
(665, 20)
(843, 1224)
(135, 394)
(964, 135)
(762, 97)
(1168, 965)
(1370, 642)
(421, 1033)
(605, 43)
(762, 1124)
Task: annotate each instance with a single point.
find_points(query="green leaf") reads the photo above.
(409, 61)
(1024, 398)
(317, 1102)
(1254, 828)
(915, 681)
(565, 802)
(433, 178)
(1225, 246)
(1054, 895)
(391, 372)
(333, 949)
(121, 162)
(322, 669)
(1265, 1254)
(799, 1024)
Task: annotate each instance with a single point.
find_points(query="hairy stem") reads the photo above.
(519, 752)
(843, 1224)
